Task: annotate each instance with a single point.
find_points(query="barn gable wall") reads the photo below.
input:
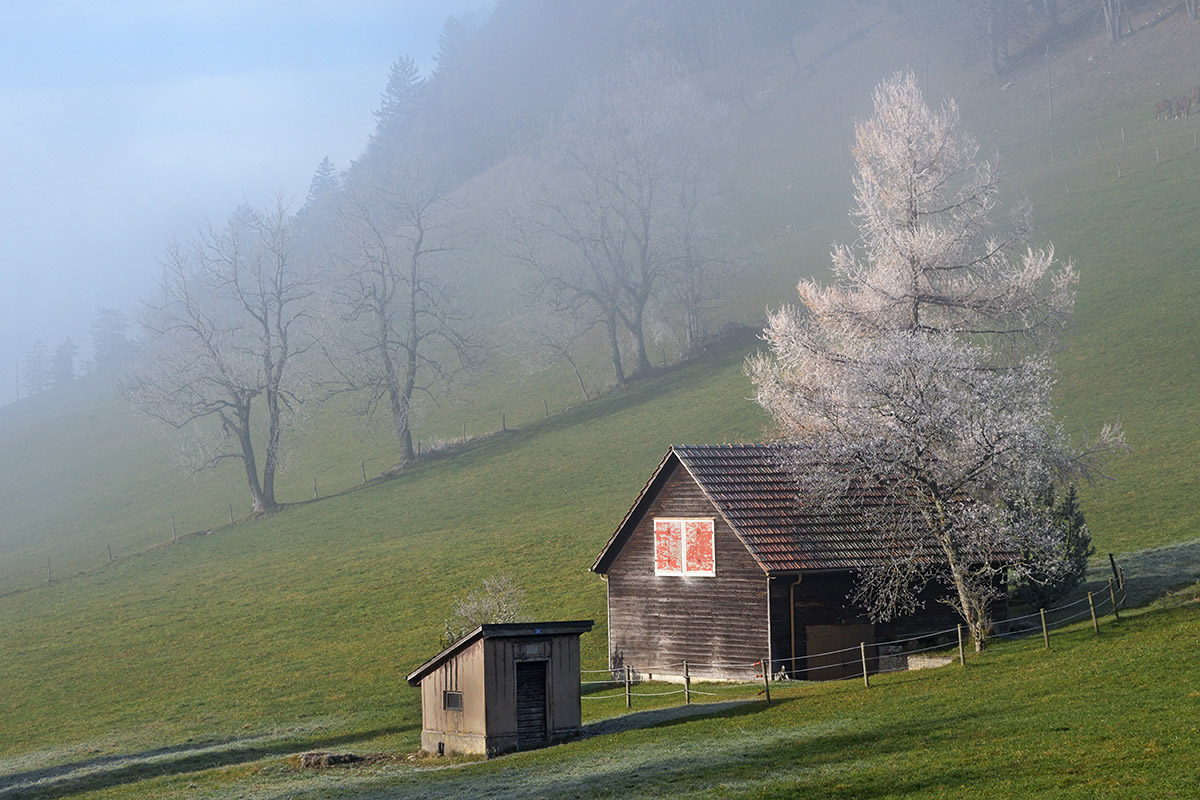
(658, 621)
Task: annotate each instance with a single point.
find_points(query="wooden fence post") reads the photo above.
(1045, 631)
(1112, 593)
(546, 403)
(628, 696)
(862, 646)
(503, 424)
(364, 471)
(687, 685)
(962, 656)
(766, 668)
(49, 574)
(1092, 607)
(110, 558)
(315, 495)
(231, 513)
(174, 535)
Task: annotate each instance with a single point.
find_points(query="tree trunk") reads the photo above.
(240, 427)
(614, 346)
(271, 461)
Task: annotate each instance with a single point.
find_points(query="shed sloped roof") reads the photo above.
(500, 630)
(761, 501)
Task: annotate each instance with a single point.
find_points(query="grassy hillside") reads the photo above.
(211, 658)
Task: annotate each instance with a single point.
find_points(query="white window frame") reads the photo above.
(683, 571)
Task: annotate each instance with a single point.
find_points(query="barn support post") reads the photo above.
(862, 646)
(1045, 630)
(1092, 608)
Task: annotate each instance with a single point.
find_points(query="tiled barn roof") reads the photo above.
(761, 501)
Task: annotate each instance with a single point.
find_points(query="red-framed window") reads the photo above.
(684, 547)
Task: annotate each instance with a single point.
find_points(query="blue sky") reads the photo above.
(122, 122)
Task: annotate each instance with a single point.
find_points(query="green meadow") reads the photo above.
(193, 664)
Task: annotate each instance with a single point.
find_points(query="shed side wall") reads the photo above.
(460, 731)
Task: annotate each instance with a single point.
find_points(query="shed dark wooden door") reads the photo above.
(531, 704)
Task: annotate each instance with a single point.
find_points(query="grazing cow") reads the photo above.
(1183, 106)
(1162, 109)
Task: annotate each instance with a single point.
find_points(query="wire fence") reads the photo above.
(857, 662)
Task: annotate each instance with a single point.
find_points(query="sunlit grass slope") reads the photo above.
(319, 612)
(1094, 716)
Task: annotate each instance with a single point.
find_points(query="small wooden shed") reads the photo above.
(502, 687)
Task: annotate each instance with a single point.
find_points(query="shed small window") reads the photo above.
(684, 547)
(452, 701)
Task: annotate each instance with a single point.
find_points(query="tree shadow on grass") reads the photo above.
(662, 716)
(116, 770)
(725, 756)
(1149, 574)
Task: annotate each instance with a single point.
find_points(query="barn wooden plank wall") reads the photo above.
(663, 620)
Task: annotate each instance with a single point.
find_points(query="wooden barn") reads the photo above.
(719, 564)
(502, 687)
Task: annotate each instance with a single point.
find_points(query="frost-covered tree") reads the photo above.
(499, 600)
(224, 335)
(919, 384)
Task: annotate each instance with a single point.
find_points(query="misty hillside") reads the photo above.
(170, 613)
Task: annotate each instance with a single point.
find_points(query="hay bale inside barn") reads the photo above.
(502, 687)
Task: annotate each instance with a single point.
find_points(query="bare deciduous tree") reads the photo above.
(222, 340)
(604, 229)
(500, 599)
(923, 376)
(401, 329)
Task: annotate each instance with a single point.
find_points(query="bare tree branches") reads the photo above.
(923, 376)
(400, 328)
(231, 318)
(614, 217)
